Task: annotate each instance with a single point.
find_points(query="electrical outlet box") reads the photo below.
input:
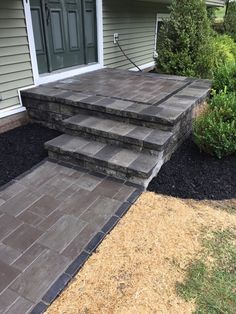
(115, 37)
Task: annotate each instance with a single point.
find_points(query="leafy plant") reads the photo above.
(184, 42)
(224, 51)
(215, 131)
(211, 13)
(230, 20)
(219, 27)
(224, 76)
(225, 102)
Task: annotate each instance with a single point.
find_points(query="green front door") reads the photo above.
(64, 32)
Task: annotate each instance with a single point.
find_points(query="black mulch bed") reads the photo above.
(21, 149)
(190, 174)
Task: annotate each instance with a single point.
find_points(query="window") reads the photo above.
(159, 22)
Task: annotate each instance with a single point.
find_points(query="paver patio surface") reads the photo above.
(48, 218)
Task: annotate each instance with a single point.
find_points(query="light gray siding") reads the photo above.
(135, 21)
(216, 3)
(15, 65)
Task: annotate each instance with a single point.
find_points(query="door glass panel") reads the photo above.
(37, 30)
(56, 30)
(73, 30)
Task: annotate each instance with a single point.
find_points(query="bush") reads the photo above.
(184, 42)
(219, 27)
(215, 131)
(211, 13)
(224, 76)
(224, 51)
(230, 20)
(224, 102)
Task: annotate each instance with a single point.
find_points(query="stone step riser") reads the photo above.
(49, 118)
(123, 140)
(104, 166)
(94, 166)
(107, 140)
(117, 172)
(52, 111)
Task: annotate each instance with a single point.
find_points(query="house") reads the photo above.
(45, 40)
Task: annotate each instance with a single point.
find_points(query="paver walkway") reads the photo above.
(51, 220)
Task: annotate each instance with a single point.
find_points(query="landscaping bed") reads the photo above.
(21, 149)
(191, 174)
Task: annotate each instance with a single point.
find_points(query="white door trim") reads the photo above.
(29, 28)
(65, 73)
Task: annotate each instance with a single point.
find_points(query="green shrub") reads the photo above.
(224, 51)
(215, 131)
(184, 42)
(226, 102)
(211, 13)
(230, 20)
(224, 76)
(219, 27)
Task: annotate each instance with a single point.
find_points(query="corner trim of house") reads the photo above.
(100, 32)
(10, 111)
(144, 66)
(62, 74)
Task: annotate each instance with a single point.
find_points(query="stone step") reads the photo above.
(58, 103)
(118, 133)
(105, 158)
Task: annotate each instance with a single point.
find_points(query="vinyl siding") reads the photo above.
(208, 2)
(135, 21)
(215, 3)
(15, 64)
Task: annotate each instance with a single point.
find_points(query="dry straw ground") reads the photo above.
(136, 268)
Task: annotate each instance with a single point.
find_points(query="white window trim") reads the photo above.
(67, 72)
(159, 17)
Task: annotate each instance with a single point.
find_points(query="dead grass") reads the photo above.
(136, 268)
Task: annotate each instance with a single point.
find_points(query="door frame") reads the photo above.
(67, 72)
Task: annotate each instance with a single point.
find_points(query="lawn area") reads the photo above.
(211, 279)
(167, 255)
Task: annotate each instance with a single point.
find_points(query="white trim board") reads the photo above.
(65, 73)
(159, 17)
(11, 111)
(29, 29)
(144, 66)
